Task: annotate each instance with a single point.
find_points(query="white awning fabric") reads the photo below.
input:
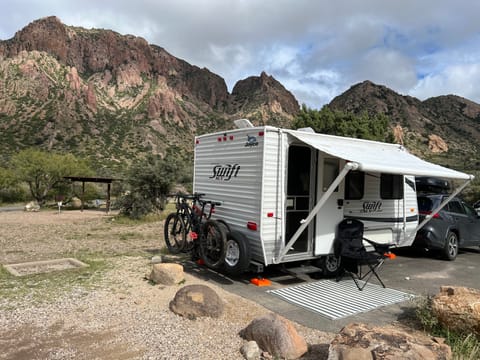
(374, 156)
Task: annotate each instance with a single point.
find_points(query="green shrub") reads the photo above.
(149, 183)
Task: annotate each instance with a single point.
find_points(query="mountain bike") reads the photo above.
(190, 229)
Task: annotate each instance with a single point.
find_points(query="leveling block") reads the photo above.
(260, 282)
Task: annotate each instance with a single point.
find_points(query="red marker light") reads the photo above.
(252, 226)
(270, 214)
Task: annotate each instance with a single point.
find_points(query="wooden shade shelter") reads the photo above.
(102, 180)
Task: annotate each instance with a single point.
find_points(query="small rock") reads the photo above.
(251, 351)
(156, 259)
(32, 206)
(167, 274)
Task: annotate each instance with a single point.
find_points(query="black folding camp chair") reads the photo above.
(355, 260)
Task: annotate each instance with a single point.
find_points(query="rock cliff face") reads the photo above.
(261, 98)
(114, 97)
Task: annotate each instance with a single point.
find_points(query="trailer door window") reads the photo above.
(391, 186)
(330, 172)
(354, 185)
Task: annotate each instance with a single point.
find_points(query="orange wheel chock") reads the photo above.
(260, 282)
(390, 255)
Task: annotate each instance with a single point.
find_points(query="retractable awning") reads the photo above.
(369, 156)
(376, 156)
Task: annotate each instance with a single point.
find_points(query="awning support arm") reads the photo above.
(441, 206)
(323, 199)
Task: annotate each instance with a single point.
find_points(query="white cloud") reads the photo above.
(460, 80)
(386, 67)
(317, 49)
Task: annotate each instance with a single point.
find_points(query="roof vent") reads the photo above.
(307, 129)
(243, 123)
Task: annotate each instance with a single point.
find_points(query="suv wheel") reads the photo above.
(450, 251)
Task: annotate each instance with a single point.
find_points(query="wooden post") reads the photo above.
(108, 197)
(83, 194)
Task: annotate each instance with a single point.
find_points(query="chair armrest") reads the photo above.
(381, 248)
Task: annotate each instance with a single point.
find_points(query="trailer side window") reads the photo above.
(391, 186)
(354, 185)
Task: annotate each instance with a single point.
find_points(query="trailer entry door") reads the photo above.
(299, 201)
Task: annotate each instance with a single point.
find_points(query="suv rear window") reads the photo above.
(426, 204)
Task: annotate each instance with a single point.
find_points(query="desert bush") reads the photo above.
(149, 182)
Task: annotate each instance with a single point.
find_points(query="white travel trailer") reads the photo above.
(283, 192)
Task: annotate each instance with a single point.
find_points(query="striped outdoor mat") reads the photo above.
(337, 300)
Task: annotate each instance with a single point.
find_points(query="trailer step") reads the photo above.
(302, 272)
(256, 267)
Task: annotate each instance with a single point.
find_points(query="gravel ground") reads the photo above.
(122, 316)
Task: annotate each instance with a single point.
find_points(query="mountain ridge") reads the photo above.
(113, 98)
(452, 119)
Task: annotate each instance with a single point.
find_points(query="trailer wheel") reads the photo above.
(212, 244)
(237, 253)
(329, 264)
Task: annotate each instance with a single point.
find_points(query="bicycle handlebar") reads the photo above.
(187, 196)
(196, 197)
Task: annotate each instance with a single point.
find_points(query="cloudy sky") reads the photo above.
(316, 48)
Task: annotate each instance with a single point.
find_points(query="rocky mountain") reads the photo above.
(445, 128)
(113, 97)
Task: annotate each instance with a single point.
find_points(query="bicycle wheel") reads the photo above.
(175, 233)
(213, 244)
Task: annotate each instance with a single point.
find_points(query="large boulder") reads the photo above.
(167, 274)
(458, 309)
(364, 342)
(275, 335)
(193, 301)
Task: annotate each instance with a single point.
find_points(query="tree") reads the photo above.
(7, 178)
(149, 183)
(44, 171)
(340, 123)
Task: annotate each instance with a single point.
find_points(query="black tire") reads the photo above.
(224, 223)
(237, 253)
(330, 265)
(175, 233)
(212, 244)
(450, 250)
